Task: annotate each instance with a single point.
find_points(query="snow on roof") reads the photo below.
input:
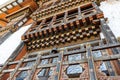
(8, 47)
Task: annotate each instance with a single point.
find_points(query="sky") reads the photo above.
(111, 11)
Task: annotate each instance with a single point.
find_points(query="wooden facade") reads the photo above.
(63, 42)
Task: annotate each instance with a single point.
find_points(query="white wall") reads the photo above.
(8, 47)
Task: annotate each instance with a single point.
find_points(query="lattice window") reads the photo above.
(22, 75)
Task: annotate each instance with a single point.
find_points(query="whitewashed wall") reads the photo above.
(8, 47)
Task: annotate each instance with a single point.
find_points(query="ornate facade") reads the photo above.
(63, 42)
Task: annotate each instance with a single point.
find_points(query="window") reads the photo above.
(74, 71)
(74, 57)
(4, 9)
(14, 4)
(22, 75)
(29, 64)
(20, 23)
(20, 1)
(41, 73)
(103, 68)
(55, 60)
(25, 19)
(9, 6)
(97, 54)
(50, 72)
(45, 61)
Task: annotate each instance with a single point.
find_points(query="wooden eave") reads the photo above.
(59, 8)
(20, 10)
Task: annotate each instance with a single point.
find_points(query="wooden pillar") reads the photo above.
(59, 66)
(91, 67)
